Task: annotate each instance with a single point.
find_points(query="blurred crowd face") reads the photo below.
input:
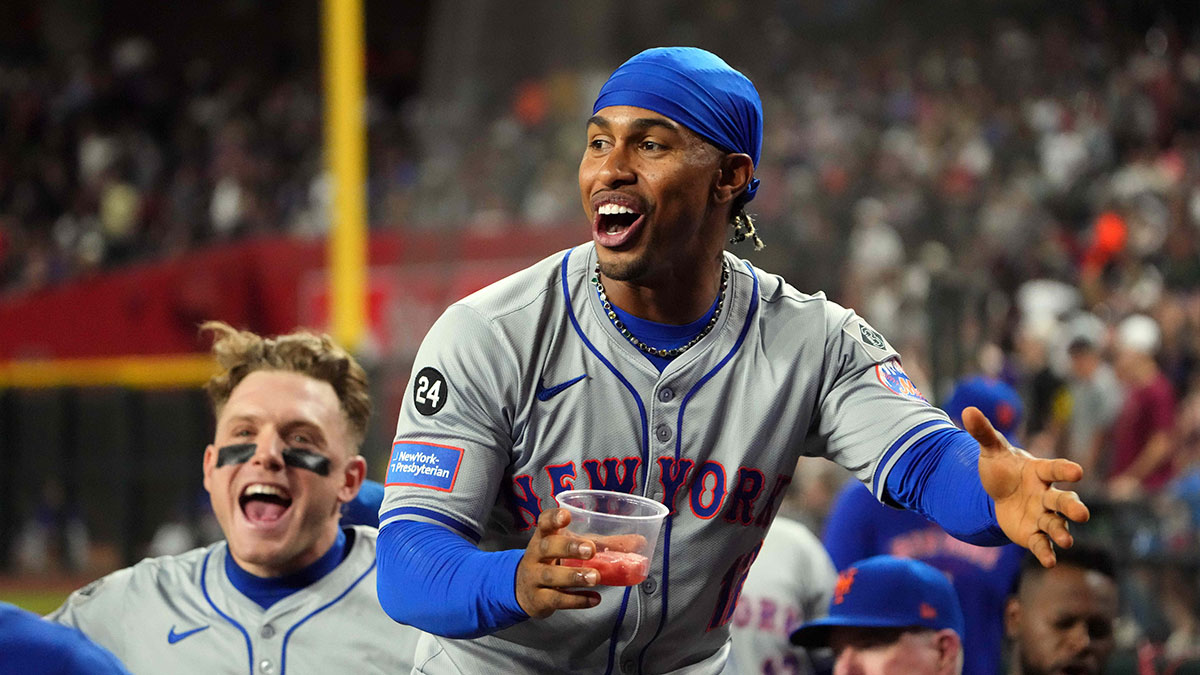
(1062, 622)
(277, 517)
(1084, 362)
(895, 651)
(646, 181)
(1132, 366)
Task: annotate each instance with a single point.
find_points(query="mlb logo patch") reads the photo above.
(892, 376)
(424, 465)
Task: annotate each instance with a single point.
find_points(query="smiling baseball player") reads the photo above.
(651, 361)
(288, 589)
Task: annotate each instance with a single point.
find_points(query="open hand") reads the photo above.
(1030, 510)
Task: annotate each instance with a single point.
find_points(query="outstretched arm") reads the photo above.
(1030, 510)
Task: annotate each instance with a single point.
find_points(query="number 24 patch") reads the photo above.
(430, 391)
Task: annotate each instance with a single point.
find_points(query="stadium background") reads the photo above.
(968, 176)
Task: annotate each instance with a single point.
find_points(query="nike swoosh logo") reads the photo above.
(173, 637)
(545, 393)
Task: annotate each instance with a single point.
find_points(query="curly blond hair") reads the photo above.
(239, 353)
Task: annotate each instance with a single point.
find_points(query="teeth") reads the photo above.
(264, 489)
(613, 209)
(613, 229)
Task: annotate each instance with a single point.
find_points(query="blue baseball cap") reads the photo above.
(697, 89)
(886, 592)
(996, 400)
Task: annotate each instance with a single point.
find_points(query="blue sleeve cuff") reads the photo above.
(433, 579)
(939, 478)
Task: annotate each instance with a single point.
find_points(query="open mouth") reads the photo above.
(615, 223)
(615, 217)
(264, 504)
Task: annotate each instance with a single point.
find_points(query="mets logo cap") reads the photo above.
(886, 592)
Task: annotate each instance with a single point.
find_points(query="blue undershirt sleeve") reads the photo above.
(939, 478)
(433, 579)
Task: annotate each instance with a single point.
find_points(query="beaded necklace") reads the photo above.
(664, 353)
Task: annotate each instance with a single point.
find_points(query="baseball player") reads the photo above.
(30, 644)
(288, 590)
(651, 361)
(790, 583)
(1061, 620)
(859, 527)
(890, 616)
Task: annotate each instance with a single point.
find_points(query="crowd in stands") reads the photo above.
(116, 159)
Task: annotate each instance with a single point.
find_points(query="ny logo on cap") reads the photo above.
(844, 581)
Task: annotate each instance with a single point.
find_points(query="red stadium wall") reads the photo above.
(267, 285)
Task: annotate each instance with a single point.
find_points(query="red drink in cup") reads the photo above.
(624, 528)
(615, 567)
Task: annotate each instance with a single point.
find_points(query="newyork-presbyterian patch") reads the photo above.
(892, 376)
(424, 465)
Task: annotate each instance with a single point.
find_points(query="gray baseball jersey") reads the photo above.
(181, 614)
(526, 389)
(790, 583)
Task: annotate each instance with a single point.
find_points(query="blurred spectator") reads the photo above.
(1095, 397)
(1142, 440)
(1041, 386)
(54, 538)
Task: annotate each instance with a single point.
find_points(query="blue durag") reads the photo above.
(696, 89)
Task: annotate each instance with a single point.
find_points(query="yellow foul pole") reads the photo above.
(345, 150)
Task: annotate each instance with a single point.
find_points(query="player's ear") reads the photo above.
(352, 478)
(734, 175)
(210, 463)
(949, 647)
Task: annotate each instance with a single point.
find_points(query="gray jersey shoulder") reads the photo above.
(526, 389)
(181, 614)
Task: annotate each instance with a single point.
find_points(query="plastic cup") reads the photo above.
(624, 528)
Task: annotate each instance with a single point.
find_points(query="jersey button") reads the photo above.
(268, 631)
(266, 667)
(666, 394)
(662, 432)
(627, 665)
(649, 586)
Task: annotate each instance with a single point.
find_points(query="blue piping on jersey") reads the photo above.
(883, 461)
(612, 644)
(638, 399)
(204, 589)
(462, 528)
(322, 608)
(750, 313)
